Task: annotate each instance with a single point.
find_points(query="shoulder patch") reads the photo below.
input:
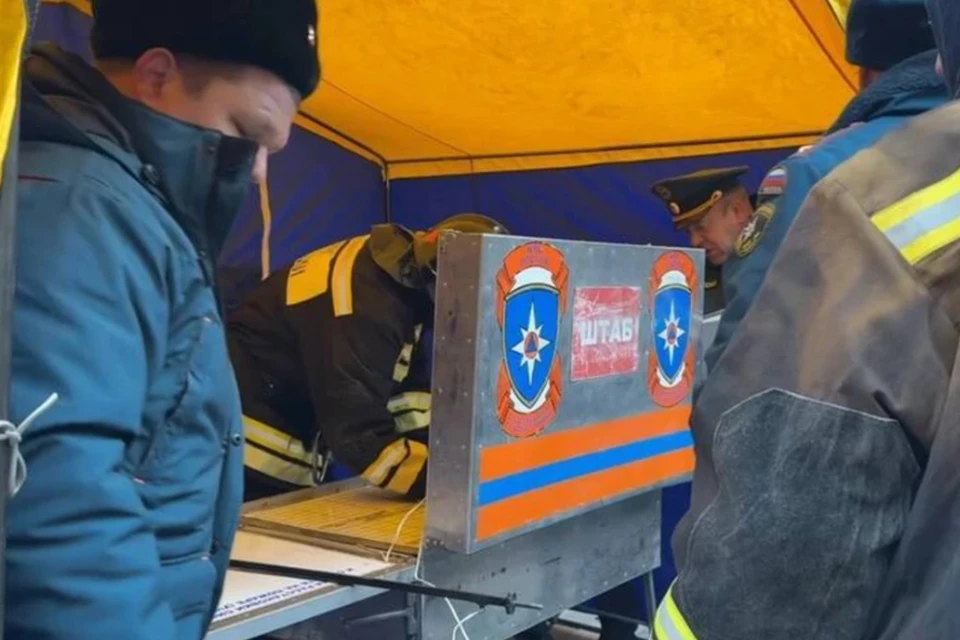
(752, 233)
(774, 184)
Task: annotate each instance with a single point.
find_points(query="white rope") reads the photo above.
(396, 534)
(13, 434)
(460, 622)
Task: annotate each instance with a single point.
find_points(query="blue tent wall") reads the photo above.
(607, 203)
(319, 192)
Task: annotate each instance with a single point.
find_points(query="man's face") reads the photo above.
(238, 101)
(717, 231)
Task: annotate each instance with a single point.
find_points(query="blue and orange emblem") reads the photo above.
(671, 368)
(531, 300)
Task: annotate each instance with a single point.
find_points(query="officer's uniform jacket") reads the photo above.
(327, 357)
(905, 91)
(815, 429)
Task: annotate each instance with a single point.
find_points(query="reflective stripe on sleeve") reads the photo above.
(669, 623)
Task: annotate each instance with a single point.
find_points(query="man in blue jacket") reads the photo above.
(891, 42)
(130, 175)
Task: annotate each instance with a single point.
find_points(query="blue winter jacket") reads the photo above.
(124, 526)
(904, 91)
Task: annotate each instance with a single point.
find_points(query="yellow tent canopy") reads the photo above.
(435, 87)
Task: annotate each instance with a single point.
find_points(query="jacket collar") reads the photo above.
(200, 175)
(907, 89)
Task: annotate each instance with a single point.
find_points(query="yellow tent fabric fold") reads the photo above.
(13, 33)
(435, 88)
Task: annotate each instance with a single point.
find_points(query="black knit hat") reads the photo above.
(883, 33)
(280, 36)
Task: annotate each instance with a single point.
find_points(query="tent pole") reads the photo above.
(8, 201)
(7, 230)
(387, 204)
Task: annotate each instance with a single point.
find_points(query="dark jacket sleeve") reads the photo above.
(82, 557)
(352, 380)
(804, 470)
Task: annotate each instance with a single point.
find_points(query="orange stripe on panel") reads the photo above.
(503, 460)
(514, 513)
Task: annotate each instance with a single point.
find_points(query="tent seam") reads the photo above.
(820, 44)
(636, 147)
(397, 120)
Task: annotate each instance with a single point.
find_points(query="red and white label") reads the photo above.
(606, 332)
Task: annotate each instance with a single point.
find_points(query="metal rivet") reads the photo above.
(236, 439)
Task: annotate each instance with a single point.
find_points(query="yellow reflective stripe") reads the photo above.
(391, 456)
(13, 34)
(409, 470)
(343, 277)
(276, 440)
(932, 242)
(411, 421)
(402, 368)
(419, 400)
(266, 216)
(275, 467)
(925, 221)
(899, 211)
(669, 623)
(405, 459)
(309, 276)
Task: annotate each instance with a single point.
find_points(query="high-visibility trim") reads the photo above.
(402, 367)
(409, 401)
(925, 221)
(276, 467)
(411, 421)
(409, 470)
(669, 623)
(390, 458)
(343, 277)
(13, 34)
(398, 465)
(411, 411)
(266, 217)
(276, 441)
(309, 276)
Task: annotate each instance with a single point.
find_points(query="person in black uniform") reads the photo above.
(712, 289)
(328, 361)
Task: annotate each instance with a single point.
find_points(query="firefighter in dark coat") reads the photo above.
(329, 361)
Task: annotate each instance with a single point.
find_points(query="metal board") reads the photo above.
(253, 605)
(550, 395)
(559, 567)
(365, 516)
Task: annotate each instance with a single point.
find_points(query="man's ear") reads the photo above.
(153, 73)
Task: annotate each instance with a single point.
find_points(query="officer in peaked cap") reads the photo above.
(711, 205)
(140, 163)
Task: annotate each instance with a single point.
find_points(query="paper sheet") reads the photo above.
(247, 592)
